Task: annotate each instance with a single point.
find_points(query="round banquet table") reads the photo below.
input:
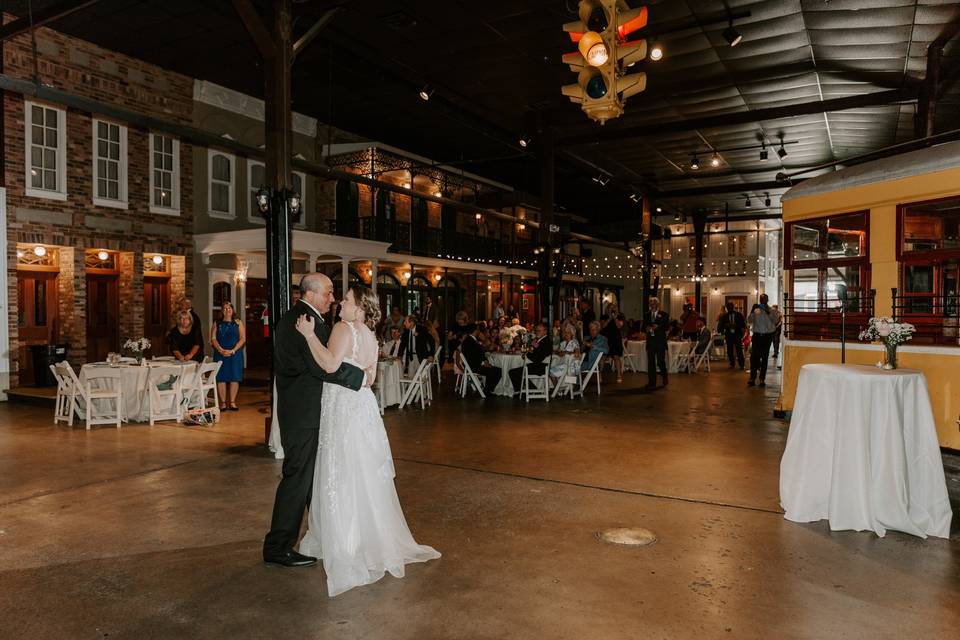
(636, 350)
(506, 362)
(133, 381)
(863, 453)
(388, 382)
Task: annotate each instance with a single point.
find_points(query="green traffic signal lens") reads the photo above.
(596, 87)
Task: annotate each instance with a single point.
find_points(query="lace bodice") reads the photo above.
(354, 357)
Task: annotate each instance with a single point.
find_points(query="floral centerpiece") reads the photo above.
(137, 347)
(508, 336)
(891, 334)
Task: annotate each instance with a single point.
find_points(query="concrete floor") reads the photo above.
(155, 532)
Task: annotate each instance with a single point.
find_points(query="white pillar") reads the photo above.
(312, 262)
(345, 273)
(374, 263)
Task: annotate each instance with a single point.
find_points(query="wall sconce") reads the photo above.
(406, 275)
(406, 185)
(437, 277)
(39, 251)
(241, 275)
(102, 256)
(263, 199)
(20, 253)
(158, 260)
(521, 226)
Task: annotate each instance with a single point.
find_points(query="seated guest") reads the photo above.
(391, 348)
(416, 345)
(473, 353)
(556, 333)
(703, 337)
(596, 345)
(394, 320)
(675, 332)
(568, 347)
(541, 348)
(636, 331)
(184, 339)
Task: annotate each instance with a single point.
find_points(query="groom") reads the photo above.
(299, 381)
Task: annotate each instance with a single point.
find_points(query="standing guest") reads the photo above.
(429, 315)
(568, 347)
(587, 315)
(394, 320)
(688, 320)
(391, 348)
(778, 318)
(596, 346)
(763, 324)
(473, 353)
(416, 345)
(498, 310)
(541, 348)
(732, 326)
(611, 331)
(655, 326)
(184, 341)
(456, 333)
(185, 304)
(227, 338)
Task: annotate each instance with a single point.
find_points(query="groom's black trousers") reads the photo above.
(294, 491)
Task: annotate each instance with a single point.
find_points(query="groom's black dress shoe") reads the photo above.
(289, 559)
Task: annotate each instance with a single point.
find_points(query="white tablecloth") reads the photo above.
(388, 382)
(133, 381)
(863, 452)
(506, 362)
(638, 350)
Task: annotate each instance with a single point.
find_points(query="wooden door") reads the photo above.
(258, 348)
(103, 314)
(156, 312)
(37, 314)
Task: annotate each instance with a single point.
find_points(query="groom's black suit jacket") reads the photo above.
(299, 378)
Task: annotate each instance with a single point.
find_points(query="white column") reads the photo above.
(374, 263)
(312, 262)
(345, 272)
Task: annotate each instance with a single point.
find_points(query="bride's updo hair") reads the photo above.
(368, 302)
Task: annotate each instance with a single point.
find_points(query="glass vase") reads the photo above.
(891, 356)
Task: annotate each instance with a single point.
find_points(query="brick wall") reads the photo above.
(76, 225)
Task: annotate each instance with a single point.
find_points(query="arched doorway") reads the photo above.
(418, 288)
(389, 292)
(449, 300)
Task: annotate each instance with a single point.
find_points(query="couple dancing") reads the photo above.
(324, 401)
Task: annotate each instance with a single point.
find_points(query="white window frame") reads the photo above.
(174, 209)
(303, 201)
(253, 215)
(121, 201)
(232, 196)
(60, 193)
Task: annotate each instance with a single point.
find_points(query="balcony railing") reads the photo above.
(822, 319)
(935, 317)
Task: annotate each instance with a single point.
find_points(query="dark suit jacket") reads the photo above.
(299, 378)
(656, 329)
(536, 357)
(735, 327)
(198, 330)
(422, 340)
(472, 352)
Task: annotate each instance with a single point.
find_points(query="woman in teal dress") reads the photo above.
(228, 337)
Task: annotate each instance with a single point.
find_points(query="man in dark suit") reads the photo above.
(299, 382)
(732, 325)
(655, 325)
(542, 348)
(416, 345)
(429, 315)
(474, 355)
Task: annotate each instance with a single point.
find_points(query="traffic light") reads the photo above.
(603, 56)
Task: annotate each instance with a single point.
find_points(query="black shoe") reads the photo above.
(750, 383)
(731, 365)
(762, 383)
(650, 387)
(289, 559)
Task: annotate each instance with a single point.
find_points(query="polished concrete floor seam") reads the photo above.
(582, 485)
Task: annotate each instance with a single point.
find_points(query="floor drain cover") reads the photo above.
(631, 536)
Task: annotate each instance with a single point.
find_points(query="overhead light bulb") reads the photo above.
(524, 141)
(479, 217)
(158, 260)
(437, 277)
(695, 163)
(102, 256)
(782, 152)
(715, 160)
(426, 92)
(406, 274)
(732, 36)
(659, 209)
(656, 51)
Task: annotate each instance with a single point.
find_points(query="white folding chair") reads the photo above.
(438, 363)
(457, 370)
(536, 386)
(163, 392)
(593, 372)
(412, 388)
(68, 388)
(204, 382)
(469, 377)
(571, 381)
(681, 358)
(102, 395)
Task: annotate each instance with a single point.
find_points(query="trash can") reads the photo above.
(45, 355)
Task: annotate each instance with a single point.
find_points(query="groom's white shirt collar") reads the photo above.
(312, 307)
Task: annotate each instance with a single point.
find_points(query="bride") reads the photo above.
(355, 523)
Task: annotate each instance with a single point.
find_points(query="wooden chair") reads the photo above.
(469, 377)
(164, 392)
(536, 386)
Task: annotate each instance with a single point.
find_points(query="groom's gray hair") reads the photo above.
(314, 282)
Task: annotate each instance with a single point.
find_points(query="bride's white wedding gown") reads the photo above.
(355, 522)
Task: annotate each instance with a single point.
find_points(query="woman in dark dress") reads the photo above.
(228, 337)
(611, 331)
(185, 339)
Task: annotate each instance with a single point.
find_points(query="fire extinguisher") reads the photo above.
(265, 319)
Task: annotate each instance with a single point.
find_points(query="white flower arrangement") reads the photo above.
(508, 334)
(887, 331)
(137, 346)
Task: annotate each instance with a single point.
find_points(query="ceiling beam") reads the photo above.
(724, 188)
(42, 17)
(907, 94)
(255, 26)
(312, 32)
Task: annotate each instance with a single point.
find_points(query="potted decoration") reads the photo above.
(137, 347)
(891, 334)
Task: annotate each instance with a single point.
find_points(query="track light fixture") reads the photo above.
(731, 35)
(695, 163)
(715, 160)
(426, 92)
(764, 154)
(747, 203)
(524, 141)
(782, 152)
(602, 180)
(766, 201)
(656, 51)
